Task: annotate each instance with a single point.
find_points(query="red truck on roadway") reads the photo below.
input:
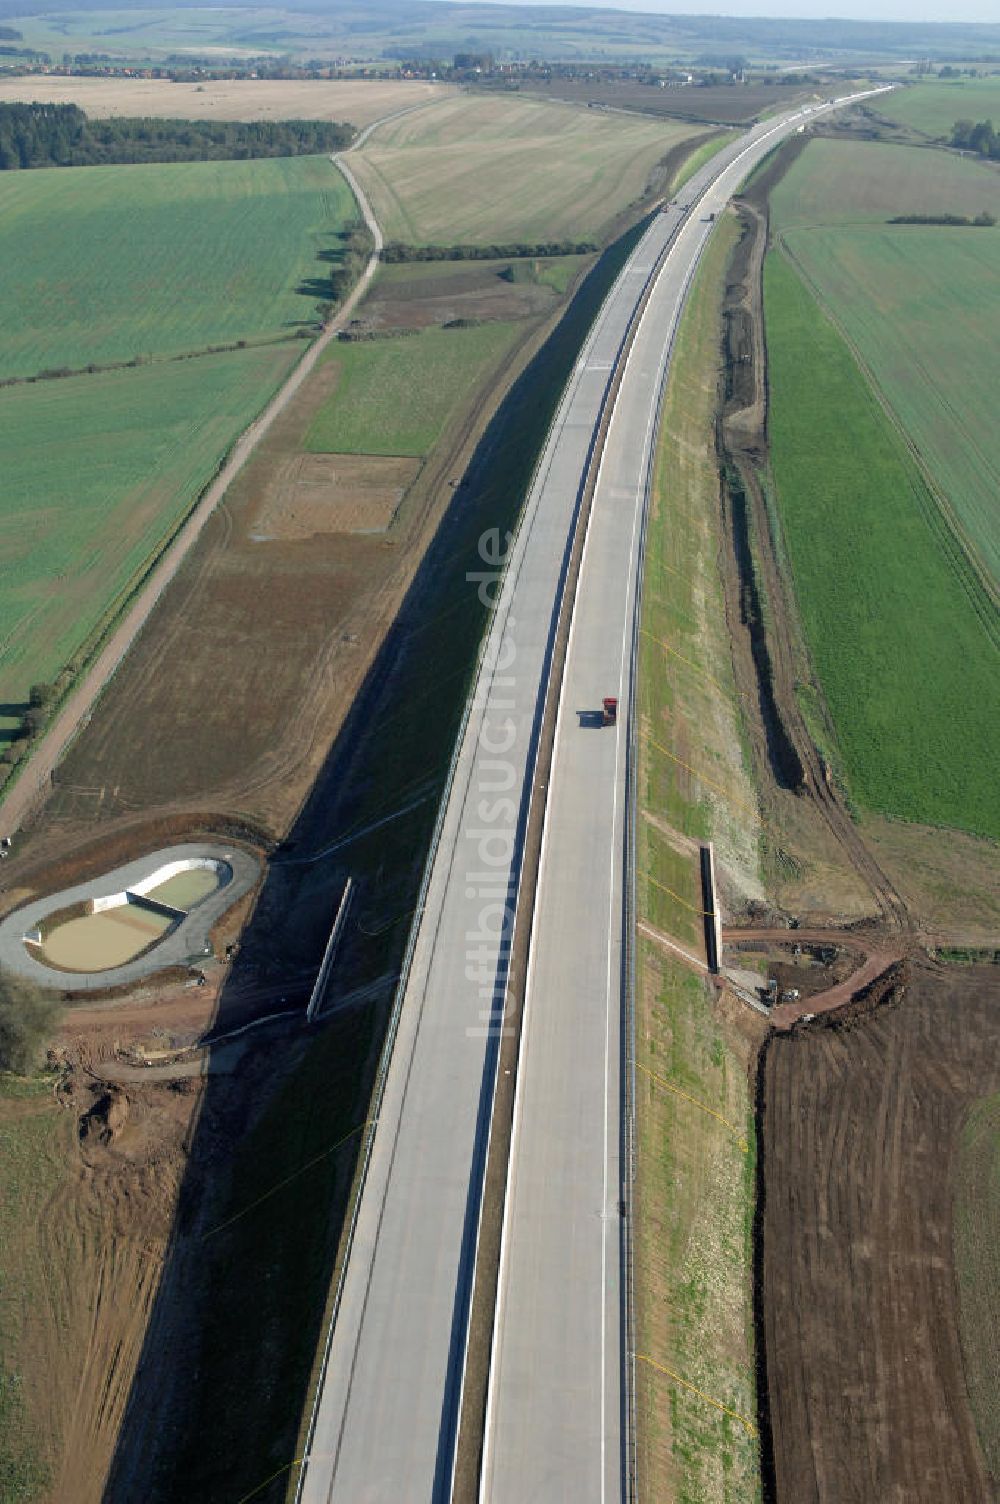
(610, 715)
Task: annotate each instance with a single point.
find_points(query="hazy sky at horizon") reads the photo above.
(808, 10)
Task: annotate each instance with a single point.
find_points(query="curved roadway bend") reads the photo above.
(384, 1423)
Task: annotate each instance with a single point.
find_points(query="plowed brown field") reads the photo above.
(865, 1394)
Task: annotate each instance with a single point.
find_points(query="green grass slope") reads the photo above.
(105, 263)
(395, 396)
(695, 1398)
(96, 470)
(910, 674)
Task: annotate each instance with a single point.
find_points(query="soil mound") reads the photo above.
(105, 1120)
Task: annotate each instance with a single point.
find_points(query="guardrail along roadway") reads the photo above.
(385, 1421)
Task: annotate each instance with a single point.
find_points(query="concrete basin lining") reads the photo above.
(184, 942)
(221, 867)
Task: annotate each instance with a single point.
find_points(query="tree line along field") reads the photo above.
(480, 169)
(105, 263)
(920, 304)
(909, 670)
(96, 470)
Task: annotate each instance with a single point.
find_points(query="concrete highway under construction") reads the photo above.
(385, 1424)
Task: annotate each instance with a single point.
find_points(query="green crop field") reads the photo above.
(395, 396)
(836, 183)
(480, 169)
(105, 263)
(920, 304)
(934, 107)
(96, 470)
(910, 673)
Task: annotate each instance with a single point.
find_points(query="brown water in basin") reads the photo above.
(97, 942)
(185, 889)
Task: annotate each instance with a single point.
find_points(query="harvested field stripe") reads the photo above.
(316, 1159)
(506, 169)
(702, 778)
(662, 1081)
(750, 1429)
(690, 662)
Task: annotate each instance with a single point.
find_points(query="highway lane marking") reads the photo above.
(662, 1081)
(747, 1425)
(569, 395)
(506, 1232)
(624, 670)
(630, 606)
(542, 865)
(547, 459)
(703, 778)
(498, 1328)
(675, 302)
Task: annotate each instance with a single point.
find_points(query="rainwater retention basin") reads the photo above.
(99, 933)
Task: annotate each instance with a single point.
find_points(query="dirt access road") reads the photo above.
(33, 783)
(876, 956)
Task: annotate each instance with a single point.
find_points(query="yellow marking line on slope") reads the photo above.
(695, 1103)
(702, 777)
(284, 1468)
(748, 1426)
(690, 662)
(680, 573)
(705, 913)
(324, 1154)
